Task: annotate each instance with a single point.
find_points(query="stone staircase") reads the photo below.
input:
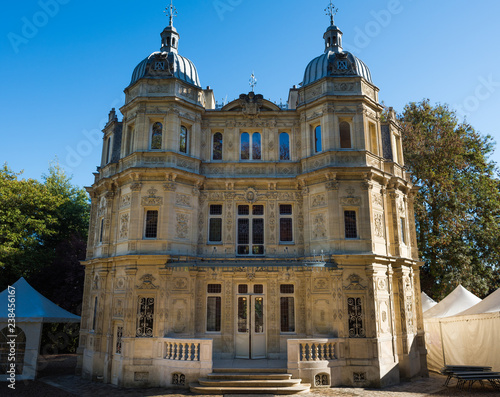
(249, 381)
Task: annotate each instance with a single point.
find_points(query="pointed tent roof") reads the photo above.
(33, 307)
(490, 304)
(427, 302)
(457, 301)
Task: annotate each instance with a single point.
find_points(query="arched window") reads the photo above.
(256, 146)
(318, 147)
(5, 338)
(345, 135)
(245, 146)
(284, 146)
(251, 146)
(217, 146)
(183, 140)
(156, 136)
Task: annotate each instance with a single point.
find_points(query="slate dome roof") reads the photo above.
(180, 67)
(322, 66)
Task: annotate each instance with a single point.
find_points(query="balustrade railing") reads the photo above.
(316, 351)
(182, 350)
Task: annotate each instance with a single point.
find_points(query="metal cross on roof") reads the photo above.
(253, 81)
(331, 11)
(171, 12)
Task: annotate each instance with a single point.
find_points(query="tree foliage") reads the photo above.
(458, 205)
(43, 232)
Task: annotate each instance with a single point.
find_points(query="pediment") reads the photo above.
(250, 104)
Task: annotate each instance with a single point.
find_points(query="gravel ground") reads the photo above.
(57, 379)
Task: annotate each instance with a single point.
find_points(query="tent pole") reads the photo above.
(442, 342)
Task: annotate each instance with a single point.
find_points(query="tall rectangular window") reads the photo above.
(94, 319)
(351, 230)
(250, 230)
(145, 314)
(215, 224)
(214, 307)
(287, 308)
(151, 230)
(318, 145)
(355, 318)
(403, 229)
(286, 224)
(101, 231)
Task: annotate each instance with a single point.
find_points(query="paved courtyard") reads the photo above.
(57, 380)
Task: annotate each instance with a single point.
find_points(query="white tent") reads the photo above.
(457, 301)
(427, 302)
(473, 336)
(30, 311)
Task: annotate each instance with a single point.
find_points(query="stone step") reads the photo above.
(197, 388)
(248, 376)
(251, 370)
(249, 382)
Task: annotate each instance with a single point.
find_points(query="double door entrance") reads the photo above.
(250, 321)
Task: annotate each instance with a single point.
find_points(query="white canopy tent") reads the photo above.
(427, 302)
(31, 310)
(457, 301)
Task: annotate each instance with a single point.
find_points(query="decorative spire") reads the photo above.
(331, 11)
(253, 81)
(169, 36)
(171, 13)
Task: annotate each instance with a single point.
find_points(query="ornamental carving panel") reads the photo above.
(377, 200)
(124, 222)
(318, 200)
(125, 200)
(356, 201)
(152, 199)
(182, 227)
(183, 200)
(147, 282)
(319, 227)
(378, 224)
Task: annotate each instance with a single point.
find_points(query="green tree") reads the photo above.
(458, 205)
(43, 233)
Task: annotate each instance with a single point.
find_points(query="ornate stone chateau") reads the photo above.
(252, 231)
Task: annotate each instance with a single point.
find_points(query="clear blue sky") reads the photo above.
(65, 63)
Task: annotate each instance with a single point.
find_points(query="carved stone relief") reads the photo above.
(183, 200)
(151, 199)
(124, 222)
(182, 227)
(379, 225)
(318, 200)
(319, 226)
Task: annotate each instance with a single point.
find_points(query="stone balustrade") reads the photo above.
(311, 359)
(182, 350)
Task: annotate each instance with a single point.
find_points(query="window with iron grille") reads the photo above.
(351, 230)
(355, 316)
(286, 223)
(215, 224)
(250, 239)
(119, 334)
(287, 308)
(151, 229)
(145, 317)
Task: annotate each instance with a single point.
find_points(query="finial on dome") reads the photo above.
(253, 81)
(331, 11)
(171, 12)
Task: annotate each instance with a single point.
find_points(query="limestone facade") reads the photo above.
(251, 230)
